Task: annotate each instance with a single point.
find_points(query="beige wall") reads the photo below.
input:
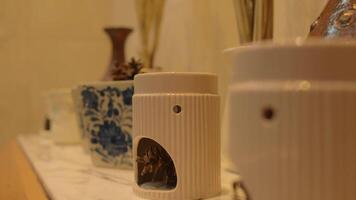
(58, 43)
(43, 45)
(294, 17)
(47, 44)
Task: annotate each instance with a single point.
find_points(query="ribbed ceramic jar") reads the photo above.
(292, 120)
(176, 124)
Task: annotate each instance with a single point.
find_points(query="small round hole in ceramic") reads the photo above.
(268, 113)
(177, 109)
(155, 167)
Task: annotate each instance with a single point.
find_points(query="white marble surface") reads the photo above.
(67, 173)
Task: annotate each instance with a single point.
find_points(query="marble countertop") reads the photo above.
(66, 173)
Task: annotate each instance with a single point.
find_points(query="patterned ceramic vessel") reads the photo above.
(105, 110)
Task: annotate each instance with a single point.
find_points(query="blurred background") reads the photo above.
(60, 43)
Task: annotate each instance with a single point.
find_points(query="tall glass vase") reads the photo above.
(338, 20)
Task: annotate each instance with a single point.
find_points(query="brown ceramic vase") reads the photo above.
(118, 37)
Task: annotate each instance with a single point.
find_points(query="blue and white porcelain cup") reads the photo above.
(105, 110)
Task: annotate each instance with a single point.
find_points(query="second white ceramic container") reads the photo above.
(176, 136)
(62, 115)
(292, 120)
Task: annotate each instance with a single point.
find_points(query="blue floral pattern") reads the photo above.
(107, 114)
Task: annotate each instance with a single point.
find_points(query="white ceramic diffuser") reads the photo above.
(176, 136)
(292, 120)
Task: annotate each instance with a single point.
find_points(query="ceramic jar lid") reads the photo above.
(300, 60)
(176, 82)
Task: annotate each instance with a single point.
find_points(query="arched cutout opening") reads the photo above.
(155, 167)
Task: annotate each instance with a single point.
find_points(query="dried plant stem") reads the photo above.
(149, 13)
(158, 13)
(244, 18)
(254, 19)
(263, 23)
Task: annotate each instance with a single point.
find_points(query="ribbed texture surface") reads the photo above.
(192, 138)
(307, 152)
